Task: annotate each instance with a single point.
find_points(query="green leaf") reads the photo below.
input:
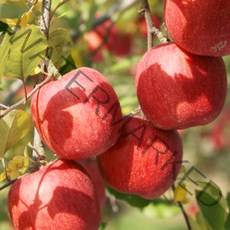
(199, 222)
(161, 210)
(20, 146)
(60, 43)
(210, 203)
(228, 201)
(136, 201)
(102, 226)
(133, 200)
(12, 9)
(22, 52)
(13, 128)
(227, 222)
(3, 137)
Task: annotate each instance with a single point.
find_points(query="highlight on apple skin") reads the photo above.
(75, 115)
(144, 162)
(58, 196)
(200, 27)
(177, 89)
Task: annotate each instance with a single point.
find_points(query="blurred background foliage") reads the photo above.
(122, 41)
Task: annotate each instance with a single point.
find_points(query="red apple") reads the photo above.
(177, 89)
(95, 43)
(200, 27)
(117, 42)
(58, 196)
(145, 161)
(220, 131)
(76, 115)
(92, 168)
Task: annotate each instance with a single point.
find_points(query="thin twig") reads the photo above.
(2, 106)
(45, 26)
(7, 184)
(23, 101)
(115, 9)
(185, 215)
(25, 90)
(152, 31)
(149, 24)
(37, 145)
(183, 212)
(45, 22)
(57, 7)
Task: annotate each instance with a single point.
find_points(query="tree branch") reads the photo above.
(185, 215)
(7, 184)
(149, 24)
(23, 101)
(45, 26)
(45, 22)
(152, 31)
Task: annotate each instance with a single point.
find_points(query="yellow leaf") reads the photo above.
(11, 21)
(13, 175)
(36, 71)
(26, 17)
(2, 176)
(16, 163)
(17, 166)
(180, 195)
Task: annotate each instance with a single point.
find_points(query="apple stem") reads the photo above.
(152, 31)
(149, 24)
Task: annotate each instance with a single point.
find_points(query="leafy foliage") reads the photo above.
(22, 49)
(13, 128)
(22, 52)
(211, 205)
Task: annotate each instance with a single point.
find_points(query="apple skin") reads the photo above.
(91, 167)
(144, 162)
(75, 115)
(177, 89)
(58, 196)
(200, 27)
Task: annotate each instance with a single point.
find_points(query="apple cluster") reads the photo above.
(179, 84)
